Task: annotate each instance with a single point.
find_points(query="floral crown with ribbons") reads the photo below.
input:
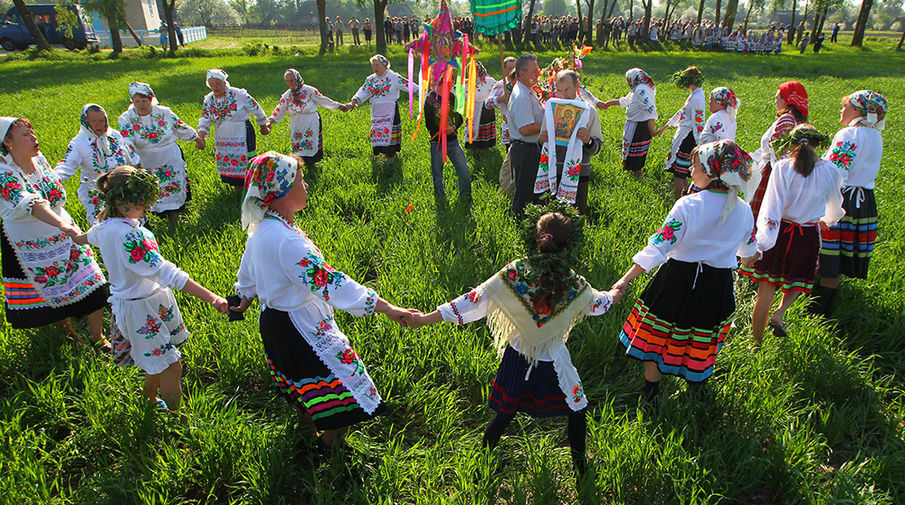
(558, 264)
(801, 134)
(685, 78)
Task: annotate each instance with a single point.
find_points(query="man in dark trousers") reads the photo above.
(835, 36)
(525, 119)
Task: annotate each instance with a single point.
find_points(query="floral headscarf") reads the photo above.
(636, 76)
(297, 94)
(270, 176)
(724, 160)
(872, 106)
(793, 92)
(216, 73)
(382, 59)
(103, 141)
(141, 88)
(726, 97)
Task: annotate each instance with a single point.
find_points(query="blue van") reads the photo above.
(14, 34)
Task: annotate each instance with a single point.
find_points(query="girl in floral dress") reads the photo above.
(723, 111)
(690, 122)
(97, 149)
(803, 190)
(301, 101)
(146, 326)
(531, 306)
(857, 151)
(382, 88)
(311, 361)
(678, 323)
(227, 109)
(152, 130)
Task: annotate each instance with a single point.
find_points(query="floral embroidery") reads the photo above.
(699, 119)
(153, 132)
(165, 313)
(168, 183)
(319, 275)
(141, 246)
(10, 189)
(151, 327)
(752, 239)
(221, 108)
(177, 330)
(163, 349)
(716, 127)
(667, 233)
(772, 224)
(843, 153)
(523, 282)
(474, 296)
(50, 275)
(348, 357)
(378, 86)
(577, 392)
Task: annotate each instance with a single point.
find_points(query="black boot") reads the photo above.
(822, 301)
(650, 391)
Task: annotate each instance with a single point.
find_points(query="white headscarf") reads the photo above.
(6, 122)
(103, 141)
(216, 73)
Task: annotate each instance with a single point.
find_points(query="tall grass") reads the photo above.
(816, 418)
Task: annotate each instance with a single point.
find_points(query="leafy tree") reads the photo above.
(114, 11)
(555, 8)
(211, 13)
(33, 29)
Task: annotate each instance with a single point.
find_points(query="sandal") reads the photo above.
(161, 405)
(779, 329)
(102, 346)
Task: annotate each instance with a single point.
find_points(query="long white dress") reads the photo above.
(304, 120)
(84, 152)
(228, 115)
(383, 91)
(154, 138)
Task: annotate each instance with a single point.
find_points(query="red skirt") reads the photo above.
(792, 263)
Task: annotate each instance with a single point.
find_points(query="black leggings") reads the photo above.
(576, 428)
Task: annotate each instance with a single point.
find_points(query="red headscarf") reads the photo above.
(793, 92)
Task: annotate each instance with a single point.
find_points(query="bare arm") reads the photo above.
(202, 293)
(530, 129)
(41, 211)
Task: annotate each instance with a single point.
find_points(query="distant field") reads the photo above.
(817, 418)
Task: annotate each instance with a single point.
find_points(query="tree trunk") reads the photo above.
(902, 39)
(823, 16)
(631, 10)
(861, 25)
(169, 7)
(716, 17)
(792, 23)
(322, 25)
(133, 34)
(731, 11)
(33, 29)
(700, 11)
(115, 40)
(747, 15)
(612, 8)
(379, 10)
(648, 5)
(526, 30)
(589, 33)
(814, 25)
(603, 19)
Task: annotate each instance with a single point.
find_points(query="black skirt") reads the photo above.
(681, 166)
(791, 264)
(486, 135)
(638, 147)
(25, 308)
(302, 378)
(681, 319)
(538, 396)
(848, 246)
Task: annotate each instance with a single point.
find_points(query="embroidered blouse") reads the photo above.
(283, 268)
(799, 199)
(235, 105)
(159, 128)
(640, 104)
(83, 152)
(691, 233)
(309, 100)
(719, 126)
(132, 257)
(383, 88)
(690, 117)
(857, 151)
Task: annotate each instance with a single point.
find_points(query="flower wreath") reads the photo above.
(683, 78)
(139, 188)
(558, 264)
(799, 135)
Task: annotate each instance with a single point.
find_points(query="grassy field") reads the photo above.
(816, 418)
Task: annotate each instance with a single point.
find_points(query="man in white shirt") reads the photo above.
(339, 27)
(353, 25)
(525, 119)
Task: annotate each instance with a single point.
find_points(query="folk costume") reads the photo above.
(305, 125)
(46, 276)
(787, 233)
(96, 155)
(640, 106)
(235, 141)
(856, 151)
(386, 124)
(792, 92)
(682, 317)
(146, 327)
(311, 361)
(154, 138)
(721, 124)
(690, 122)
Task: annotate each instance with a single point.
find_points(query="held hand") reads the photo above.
(584, 135)
(620, 286)
(220, 304)
(823, 226)
(71, 230)
(242, 307)
(617, 296)
(414, 318)
(542, 138)
(202, 135)
(601, 105)
(265, 129)
(751, 260)
(200, 144)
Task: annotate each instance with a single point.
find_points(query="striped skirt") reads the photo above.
(303, 379)
(636, 151)
(792, 263)
(681, 319)
(681, 166)
(848, 246)
(537, 395)
(486, 134)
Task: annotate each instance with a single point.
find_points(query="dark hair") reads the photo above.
(553, 233)
(793, 110)
(717, 185)
(803, 153)
(9, 133)
(130, 185)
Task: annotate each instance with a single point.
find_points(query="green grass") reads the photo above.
(817, 418)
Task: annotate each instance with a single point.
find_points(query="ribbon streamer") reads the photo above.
(470, 101)
(444, 110)
(411, 80)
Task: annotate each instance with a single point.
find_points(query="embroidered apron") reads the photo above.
(382, 116)
(148, 331)
(231, 148)
(567, 188)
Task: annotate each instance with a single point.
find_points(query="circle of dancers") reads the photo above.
(800, 200)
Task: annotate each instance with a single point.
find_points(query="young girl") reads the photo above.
(146, 326)
(640, 116)
(802, 190)
(856, 150)
(678, 324)
(531, 306)
(690, 120)
(723, 110)
(791, 109)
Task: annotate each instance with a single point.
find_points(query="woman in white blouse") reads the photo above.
(310, 360)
